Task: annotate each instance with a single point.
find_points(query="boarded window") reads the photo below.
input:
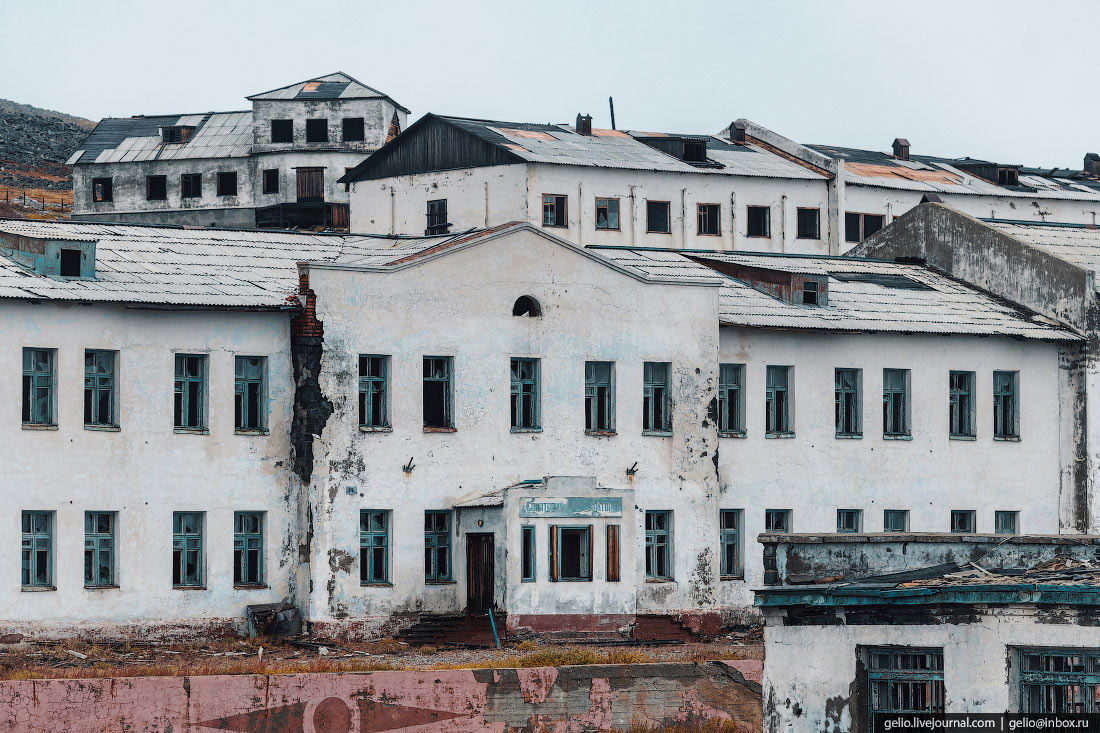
(809, 224)
(227, 183)
(658, 220)
(99, 388)
(729, 537)
(438, 392)
(271, 180)
(374, 546)
(758, 221)
(607, 213)
(710, 219)
(599, 396)
(99, 550)
(1006, 416)
(655, 400)
(437, 218)
(731, 400)
(437, 546)
(317, 131)
(778, 401)
(156, 188)
(895, 403)
(282, 131)
(37, 549)
(190, 396)
(38, 386)
(191, 185)
(102, 190)
(525, 394)
(248, 548)
(187, 549)
(555, 210)
(250, 393)
(373, 390)
(848, 403)
(658, 545)
(311, 184)
(527, 559)
(613, 562)
(353, 129)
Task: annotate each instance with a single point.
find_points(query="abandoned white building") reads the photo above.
(454, 423)
(275, 165)
(927, 624)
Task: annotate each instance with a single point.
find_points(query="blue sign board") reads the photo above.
(571, 506)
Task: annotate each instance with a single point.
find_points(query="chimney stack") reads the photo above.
(584, 124)
(737, 132)
(901, 148)
(1092, 164)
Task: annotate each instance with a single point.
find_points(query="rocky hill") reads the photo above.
(34, 145)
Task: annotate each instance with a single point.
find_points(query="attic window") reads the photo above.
(809, 293)
(70, 263)
(527, 306)
(695, 151)
(176, 133)
(885, 280)
(1008, 177)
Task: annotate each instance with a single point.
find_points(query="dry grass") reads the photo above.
(694, 726)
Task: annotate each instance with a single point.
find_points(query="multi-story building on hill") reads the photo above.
(275, 165)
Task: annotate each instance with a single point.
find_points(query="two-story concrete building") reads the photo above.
(275, 165)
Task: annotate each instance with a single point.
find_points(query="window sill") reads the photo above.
(188, 587)
(963, 437)
(101, 587)
(601, 433)
(527, 580)
(440, 582)
(608, 229)
(37, 589)
(376, 585)
(250, 586)
(809, 239)
(526, 430)
(428, 429)
(731, 433)
(710, 234)
(731, 577)
(849, 437)
(779, 436)
(191, 431)
(651, 231)
(658, 433)
(375, 429)
(660, 580)
(103, 428)
(555, 226)
(251, 432)
(897, 437)
(35, 426)
(758, 236)
(1007, 438)
(573, 580)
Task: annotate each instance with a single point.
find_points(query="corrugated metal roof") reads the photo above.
(562, 145)
(1077, 244)
(337, 85)
(217, 135)
(945, 307)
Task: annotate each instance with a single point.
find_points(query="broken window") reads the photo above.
(729, 536)
(525, 305)
(710, 219)
(895, 520)
(903, 680)
(655, 401)
(187, 550)
(1006, 522)
(1008, 177)
(695, 151)
(69, 265)
(99, 388)
(658, 545)
(37, 549)
(438, 388)
(961, 404)
(227, 183)
(1060, 681)
(848, 403)
(777, 520)
(437, 218)
(607, 213)
(810, 292)
(191, 185)
(156, 188)
(731, 400)
(282, 131)
(38, 386)
(525, 394)
(437, 547)
(374, 546)
(1006, 416)
(758, 221)
(353, 129)
(599, 396)
(555, 210)
(572, 549)
(271, 180)
(373, 388)
(317, 131)
(613, 575)
(858, 227)
(658, 220)
(249, 393)
(849, 520)
(895, 403)
(809, 224)
(99, 550)
(778, 403)
(963, 521)
(102, 190)
(527, 559)
(248, 548)
(190, 396)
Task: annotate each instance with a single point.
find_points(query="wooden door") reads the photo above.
(479, 572)
(311, 184)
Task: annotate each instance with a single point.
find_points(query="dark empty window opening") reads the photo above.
(282, 131)
(555, 210)
(858, 227)
(710, 219)
(70, 263)
(527, 561)
(437, 392)
(1008, 177)
(809, 293)
(809, 224)
(695, 151)
(191, 185)
(102, 190)
(574, 553)
(353, 129)
(317, 131)
(227, 183)
(657, 218)
(176, 134)
(437, 218)
(759, 222)
(526, 306)
(271, 180)
(156, 188)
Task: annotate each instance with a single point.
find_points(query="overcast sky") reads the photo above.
(1014, 81)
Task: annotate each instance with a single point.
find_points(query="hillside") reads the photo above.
(34, 145)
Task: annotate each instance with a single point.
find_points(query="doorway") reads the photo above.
(480, 575)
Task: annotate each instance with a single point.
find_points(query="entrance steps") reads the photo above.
(471, 630)
(657, 628)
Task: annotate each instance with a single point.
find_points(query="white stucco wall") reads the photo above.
(815, 473)
(810, 671)
(460, 305)
(145, 471)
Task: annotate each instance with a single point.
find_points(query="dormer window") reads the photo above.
(695, 151)
(809, 293)
(1008, 177)
(70, 263)
(176, 133)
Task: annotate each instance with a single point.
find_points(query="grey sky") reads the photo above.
(1012, 81)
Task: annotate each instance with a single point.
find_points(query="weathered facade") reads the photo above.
(274, 166)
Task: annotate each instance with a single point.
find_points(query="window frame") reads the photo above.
(528, 570)
(889, 405)
(848, 413)
(592, 399)
(436, 539)
(658, 543)
(190, 185)
(606, 205)
(32, 541)
(770, 524)
(47, 380)
(435, 221)
(773, 426)
(371, 539)
(959, 514)
(656, 400)
(886, 525)
(861, 229)
(183, 393)
(518, 397)
(103, 190)
(1052, 680)
(241, 382)
(731, 393)
(221, 182)
(999, 526)
(731, 537)
(371, 385)
(448, 393)
(100, 544)
(313, 126)
(929, 678)
(245, 542)
(1012, 397)
(649, 217)
(842, 521)
(184, 543)
(95, 383)
(270, 175)
(702, 217)
(556, 204)
(961, 424)
(163, 180)
(766, 211)
(585, 561)
(816, 211)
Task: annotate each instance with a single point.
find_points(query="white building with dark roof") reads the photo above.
(273, 166)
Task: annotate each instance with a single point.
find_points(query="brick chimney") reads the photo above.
(901, 148)
(584, 124)
(1092, 164)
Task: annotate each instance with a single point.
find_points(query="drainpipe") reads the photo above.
(580, 214)
(393, 211)
(683, 218)
(733, 220)
(783, 224)
(486, 204)
(632, 216)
